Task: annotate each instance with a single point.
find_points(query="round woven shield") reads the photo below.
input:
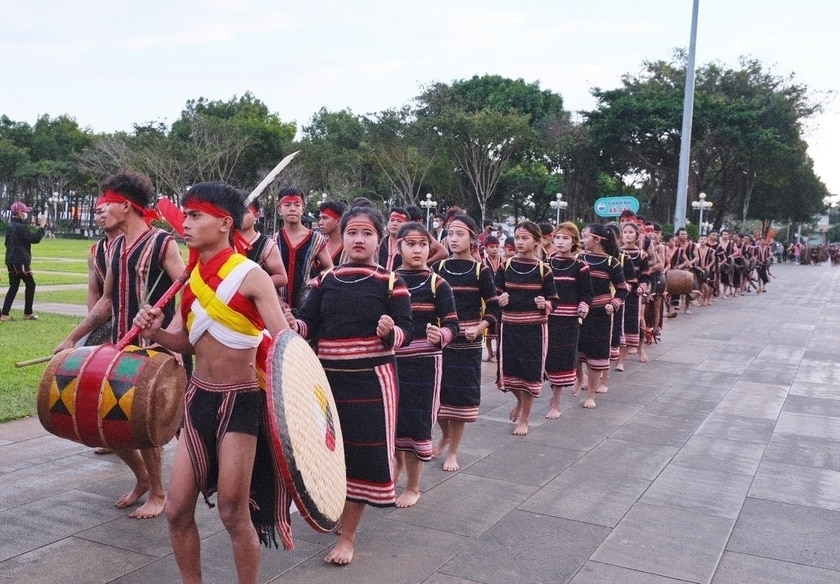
(305, 430)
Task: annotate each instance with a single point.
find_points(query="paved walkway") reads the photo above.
(718, 461)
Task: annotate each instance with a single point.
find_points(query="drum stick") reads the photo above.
(34, 361)
(167, 296)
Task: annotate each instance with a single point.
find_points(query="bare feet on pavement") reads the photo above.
(151, 508)
(407, 498)
(342, 553)
(451, 464)
(589, 403)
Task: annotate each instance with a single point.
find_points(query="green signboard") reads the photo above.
(613, 206)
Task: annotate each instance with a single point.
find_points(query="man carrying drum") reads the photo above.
(144, 261)
(226, 309)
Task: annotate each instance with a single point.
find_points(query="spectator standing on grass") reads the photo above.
(19, 240)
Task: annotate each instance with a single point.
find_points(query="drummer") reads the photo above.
(225, 447)
(144, 261)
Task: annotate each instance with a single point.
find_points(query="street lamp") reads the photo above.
(705, 226)
(55, 199)
(558, 203)
(428, 204)
(701, 204)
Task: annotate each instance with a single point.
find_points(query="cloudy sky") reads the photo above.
(112, 64)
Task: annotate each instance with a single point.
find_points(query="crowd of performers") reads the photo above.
(400, 318)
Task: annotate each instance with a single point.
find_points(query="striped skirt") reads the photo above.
(366, 400)
(418, 404)
(460, 386)
(632, 311)
(595, 335)
(617, 336)
(522, 351)
(562, 355)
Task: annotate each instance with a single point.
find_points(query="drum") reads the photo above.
(679, 282)
(119, 399)
(305, 431)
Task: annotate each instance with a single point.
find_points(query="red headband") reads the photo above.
(148, 215)
(395, 215)
(463, 225)
(239, 242)
(330, 213)
(290, 199)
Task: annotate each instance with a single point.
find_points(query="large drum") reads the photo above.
(679, 282)
(305, 431)
(119, 399)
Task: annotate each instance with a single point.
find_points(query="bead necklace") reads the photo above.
(469, 270)
(586, 258)
(362, 279)
(421, 284)
(558, 268)
(534, 267)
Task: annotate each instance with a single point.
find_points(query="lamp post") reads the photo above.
(55, 199)
(704, 227)
(558, 203)
(701, 204)
(428, 204)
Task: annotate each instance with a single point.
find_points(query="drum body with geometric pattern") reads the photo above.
(120, 399)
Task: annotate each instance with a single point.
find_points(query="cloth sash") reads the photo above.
(211, 313)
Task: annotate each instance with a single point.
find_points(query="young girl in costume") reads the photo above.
(419, 364)
(360, 314)
(527, 296)
(477, 307)
(618, 339)
(493, 260)
(638, 281)
(609, 291)
(574, 291)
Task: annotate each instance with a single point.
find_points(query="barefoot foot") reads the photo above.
(589, 403)
(131, 498)
(440, 447)
(521, 429)
(151, 508)
(643, 358)
(553, 413)
(407, 498)
(602, 389)
(342, 553)
(451, 464)
(514, 413)
(619, 367)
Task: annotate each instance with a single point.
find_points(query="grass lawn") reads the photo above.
(63, 296)
(21, 340)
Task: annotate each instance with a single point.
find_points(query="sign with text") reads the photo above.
(613, 206)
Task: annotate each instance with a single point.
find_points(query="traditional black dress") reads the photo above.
(608, 287)
(633, 304)
(574, 288)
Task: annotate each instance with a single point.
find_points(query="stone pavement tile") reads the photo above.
(574, 433)
(627, 392)
(711, 378)
(23, 429)
(749, 405)
(813, 389)
(818, 355)
(773, 374)
(217, 563)
(390, 552)
(802, 535)
(44, 480)
(695, 391)
(673, 404)
(780, 355)
(689, 353)
(42, 449)
(72, 560)
(814, 426)
(501, 414)
(705, 491)
(483, 437)
(710, 453)
(793, 338)
(589, 497)
(716, 365)
(526, 463)
(800, 485)
(27, 527)
(740, 428)
(739, 351)
(597, 573)
(741, 568)
(302, 531)
(610, 411)
(818, 372)
(550, 549)
(439, 578)
(624, 458)
(803, 451)
(150, 536)
(667, 431)
(670, 542)
(465, 505)
(818, 406)
(659, 374)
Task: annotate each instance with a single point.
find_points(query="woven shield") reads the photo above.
(306, 431)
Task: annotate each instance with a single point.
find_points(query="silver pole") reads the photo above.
(688, 112)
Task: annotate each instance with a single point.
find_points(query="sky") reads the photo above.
(112, 64)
